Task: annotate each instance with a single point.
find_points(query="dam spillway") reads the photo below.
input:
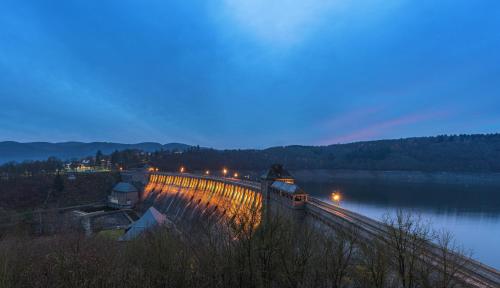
(186, 197)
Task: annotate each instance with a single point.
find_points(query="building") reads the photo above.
(151, 219)
(278, 186)
(289, 194)
(278, 173)
(123, 195)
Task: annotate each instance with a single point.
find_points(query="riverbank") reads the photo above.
(458, 178)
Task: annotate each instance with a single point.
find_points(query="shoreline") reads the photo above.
(453, 178)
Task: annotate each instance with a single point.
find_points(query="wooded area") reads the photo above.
(464, 153)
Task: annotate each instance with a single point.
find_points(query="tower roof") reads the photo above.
(124, 187)
(277, 172)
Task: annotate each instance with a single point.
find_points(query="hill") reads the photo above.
(454, 153)
(466, 153)
(15, 151)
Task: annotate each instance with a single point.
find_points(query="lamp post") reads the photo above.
(224, 172)
(335, 197)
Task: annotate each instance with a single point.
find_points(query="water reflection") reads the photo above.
(470, 212)
(483, 201)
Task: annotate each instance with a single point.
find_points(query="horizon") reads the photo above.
(248, 74)
(250, 148)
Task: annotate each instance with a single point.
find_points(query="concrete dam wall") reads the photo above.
(184, 197)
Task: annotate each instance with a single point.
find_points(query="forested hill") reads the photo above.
(468, 153)
(464, 153)
(15, 151)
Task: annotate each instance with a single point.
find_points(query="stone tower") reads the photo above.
(275, 173)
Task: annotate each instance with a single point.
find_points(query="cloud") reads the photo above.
(351, 117)
(277, 22)
(382, 128)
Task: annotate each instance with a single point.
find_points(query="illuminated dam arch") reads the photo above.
(185, 197)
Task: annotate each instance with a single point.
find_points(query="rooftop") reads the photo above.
(124, 187)
(150, 219)
(288, 188)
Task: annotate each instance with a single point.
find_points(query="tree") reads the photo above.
(452, 258)
(98, 158)
(407, 236)
(58, 185)
(339, 252)
(375, 261)
(115, 157)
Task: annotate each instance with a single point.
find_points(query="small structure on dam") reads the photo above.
(123, 196)
(288, 194)
(278, 186)
(151, 219)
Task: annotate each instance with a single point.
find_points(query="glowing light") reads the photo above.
(235, 175)
(182, 169)
(224, 171)
(336, 197)
(157, 169)
(207, 172)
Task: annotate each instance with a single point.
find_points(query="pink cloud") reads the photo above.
(352, 116)
(381, 128)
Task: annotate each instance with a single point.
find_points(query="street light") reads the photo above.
(224, 171)
(336, 197)
(235, 175)
(182, 169)
(207, 172)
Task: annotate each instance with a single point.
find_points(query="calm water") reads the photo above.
(471, 213)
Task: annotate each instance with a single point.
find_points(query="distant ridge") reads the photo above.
(465, 153)
(452, 153)
(16, 151)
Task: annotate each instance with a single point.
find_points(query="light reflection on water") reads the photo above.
(471, 213)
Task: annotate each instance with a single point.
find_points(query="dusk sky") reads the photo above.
(247, 74)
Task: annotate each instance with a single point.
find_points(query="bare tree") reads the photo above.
(451, 259)
(374, 261)
(337, 256)
(408, 236)
(295, 253)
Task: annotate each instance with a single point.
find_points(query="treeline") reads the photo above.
(466, 153)
(39, 191)
(118, 159)
(29, 168)
(455, 153)
(280, 253)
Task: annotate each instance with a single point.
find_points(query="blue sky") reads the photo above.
(247, 74)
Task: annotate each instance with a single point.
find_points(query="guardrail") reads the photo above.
(248, 184)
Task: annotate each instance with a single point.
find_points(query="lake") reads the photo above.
(470, 212)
